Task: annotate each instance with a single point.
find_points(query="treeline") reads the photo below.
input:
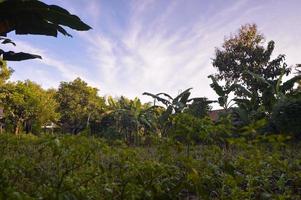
(266, 91)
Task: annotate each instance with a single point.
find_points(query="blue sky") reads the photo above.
(153, 45)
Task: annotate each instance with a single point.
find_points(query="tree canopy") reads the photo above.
(245, 51)
(78, 105)
(27, 106)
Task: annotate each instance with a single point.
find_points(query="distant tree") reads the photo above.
(128, 119)
(243, 52)
(27, 106)
(34, 17)
(79, 104)
(173, 105)
(199, 107)
(246, 67)
(181, 102)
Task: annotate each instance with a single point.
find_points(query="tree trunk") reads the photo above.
(18, 126)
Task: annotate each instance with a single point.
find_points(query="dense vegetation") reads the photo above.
(77, 167)
(73, 143)
(262, 101)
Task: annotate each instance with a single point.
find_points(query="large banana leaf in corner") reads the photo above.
(34, 17)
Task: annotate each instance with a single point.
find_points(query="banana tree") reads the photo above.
(223, 92)
(248, 103)
(199, 107)
(34, 17)
(129, 119)
(259, 105)
(175, 105)
(273, 91)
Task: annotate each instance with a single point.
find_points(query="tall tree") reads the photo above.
(245, 51)
(79, 104)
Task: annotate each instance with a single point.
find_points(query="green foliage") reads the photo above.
(173, 105)
(244, 51)
(286, 116)
(77, 167)
(27, 106)
(187, 129)
(256, 81)
(79, 105)
(197, 107)
(223, 92)
(129, 120)
(5, 72)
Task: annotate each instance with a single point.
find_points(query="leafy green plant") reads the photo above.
(129, 120)
(286, 116)
(195, 106)
(78, 167)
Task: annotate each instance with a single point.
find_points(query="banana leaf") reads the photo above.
(36, 17)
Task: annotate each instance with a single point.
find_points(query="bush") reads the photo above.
(286, 116)
(189, 129)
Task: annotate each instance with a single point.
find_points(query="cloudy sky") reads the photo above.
(153, 45)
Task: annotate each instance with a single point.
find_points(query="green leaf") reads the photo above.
(290, 83)
(241, 89)
(185, 94)
(164, 101)
(7, 41)
(258, 78)
(216, 87)
(164, 94)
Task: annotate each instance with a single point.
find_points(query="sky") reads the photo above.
(153, 45)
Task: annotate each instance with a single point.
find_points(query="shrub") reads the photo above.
(286, 116)
(187, 128)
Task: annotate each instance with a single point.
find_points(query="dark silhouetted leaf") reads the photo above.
(12, 56)
(35, 17)
(7, 41)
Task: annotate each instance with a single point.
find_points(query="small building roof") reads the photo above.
(214, 114)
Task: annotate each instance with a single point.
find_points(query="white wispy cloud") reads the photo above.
(153, 56)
